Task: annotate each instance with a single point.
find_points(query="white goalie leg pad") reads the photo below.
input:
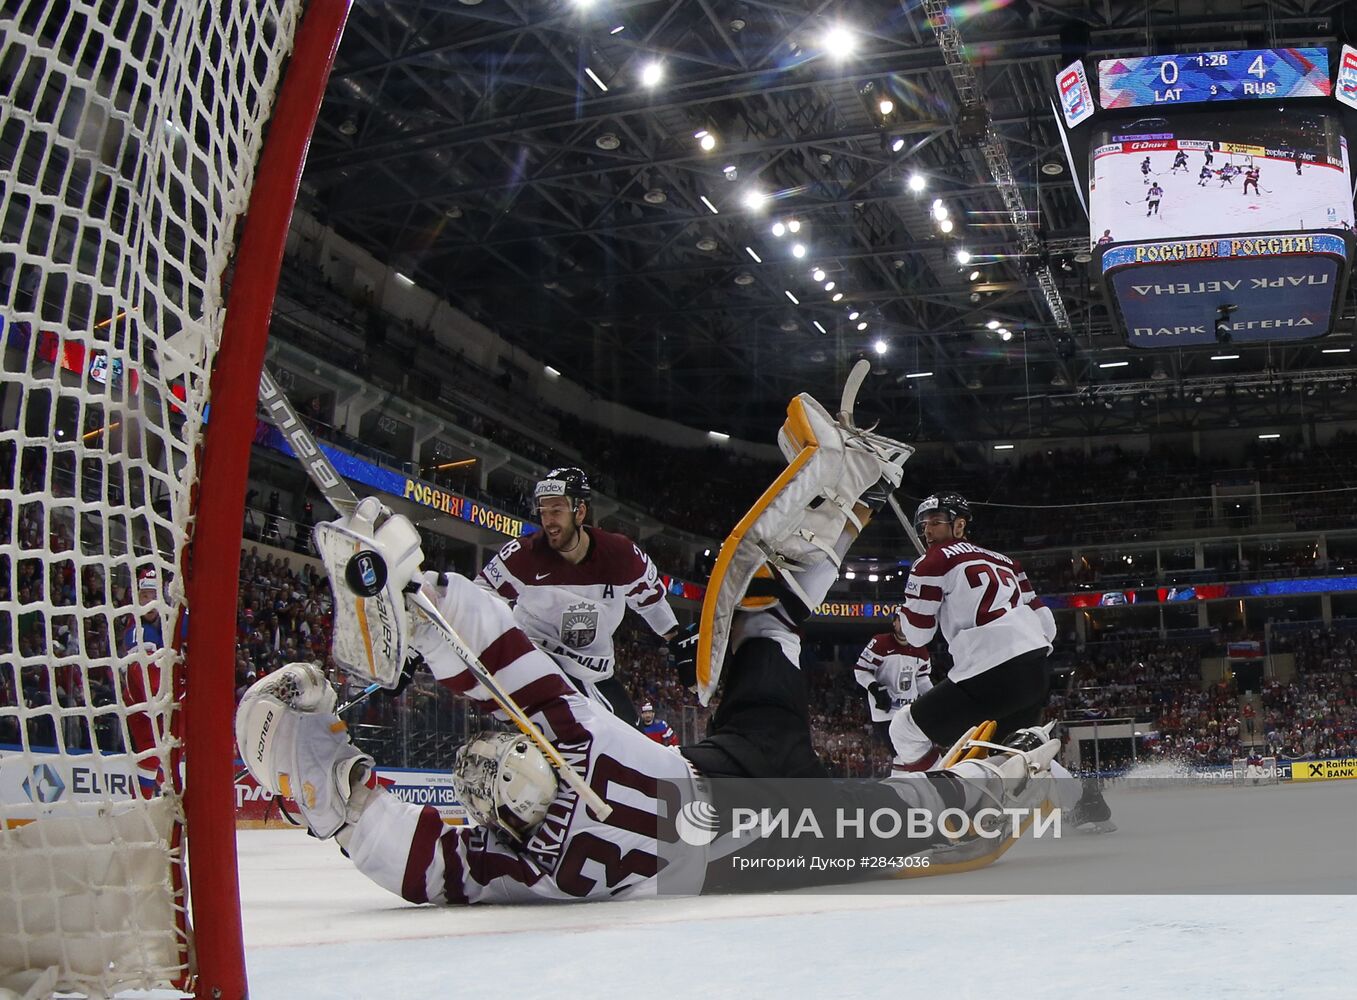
(370, 557)
(797, 523)
(294, 745)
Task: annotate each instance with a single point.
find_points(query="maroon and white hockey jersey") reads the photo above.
(572, 610)
(409, 850)
(983, 602)
(902, 670)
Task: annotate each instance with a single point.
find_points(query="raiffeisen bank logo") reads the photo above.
(44, 784)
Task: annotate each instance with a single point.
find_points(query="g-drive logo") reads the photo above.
(697, 823)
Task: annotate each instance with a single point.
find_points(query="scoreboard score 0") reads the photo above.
(1250, 74)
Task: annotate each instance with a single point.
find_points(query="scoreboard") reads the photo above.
(1250, 74)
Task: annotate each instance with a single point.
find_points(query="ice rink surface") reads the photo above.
(315, 927)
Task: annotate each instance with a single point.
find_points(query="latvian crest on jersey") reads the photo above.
(579, 625)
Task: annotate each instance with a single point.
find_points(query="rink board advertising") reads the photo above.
(1251, 74)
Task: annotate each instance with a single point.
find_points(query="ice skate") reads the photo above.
(1091, 814)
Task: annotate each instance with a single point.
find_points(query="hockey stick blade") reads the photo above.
(849, 399)
(343, 500)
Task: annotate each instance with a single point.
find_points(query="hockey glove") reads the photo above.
(683, 650)
(880, 695)
(370, 557)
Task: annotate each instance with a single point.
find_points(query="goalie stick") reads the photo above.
(337, 493)
(847, 402)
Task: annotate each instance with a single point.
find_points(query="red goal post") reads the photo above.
(145, 149)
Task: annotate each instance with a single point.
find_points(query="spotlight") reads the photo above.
(818, 274)
(963, 256)
(897, 144)
(779, 229)
(993, 324)
(974, 276)
(651, 74)
(881, 347)
(917, 183)
(940, 211)
(731, 172)
(861, 327)
(838, 42)
(755, 199)
(853, 315)
(793, 226)
(707, 141)
(829, 286)
(1005, 334)
(886, 106)
(946, 225)
(799, 251)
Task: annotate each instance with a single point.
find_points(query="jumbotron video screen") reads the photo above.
(1206, 173)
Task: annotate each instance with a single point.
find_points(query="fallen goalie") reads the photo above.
(535, 838)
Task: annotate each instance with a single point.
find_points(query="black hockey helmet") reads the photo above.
(568, 482)
(954, 505)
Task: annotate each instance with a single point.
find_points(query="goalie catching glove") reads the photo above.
(371, 556)
(293, 745)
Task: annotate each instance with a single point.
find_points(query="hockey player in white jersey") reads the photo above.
(997, 630)
(570, 585)
(895, 674)
(534, 839)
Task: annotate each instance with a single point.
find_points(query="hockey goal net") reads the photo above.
(132, 140)
(1254, 770)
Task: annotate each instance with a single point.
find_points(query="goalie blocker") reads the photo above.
(377, 555)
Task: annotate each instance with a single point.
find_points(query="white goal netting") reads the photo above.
(1255, 770)
(129, 136)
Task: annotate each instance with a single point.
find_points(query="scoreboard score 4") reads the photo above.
(1249, 74)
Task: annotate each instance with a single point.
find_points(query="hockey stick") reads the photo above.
(846, 404)
(343, 500)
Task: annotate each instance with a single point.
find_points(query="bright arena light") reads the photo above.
(886, 106)
(755, 199)
(940, 211)
(779, 229)
(897, 144)
(707, 141)
(651, 74)
(829, 286)
(838, 42)
(799, 251)
(880, 346)
(993, 324)
(946, 225)
(963, 256)
(838, 297)
(917, 183)
(862, 326)
(818, 274)
(793, 226)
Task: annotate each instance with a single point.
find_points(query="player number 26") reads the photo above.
(992, 578)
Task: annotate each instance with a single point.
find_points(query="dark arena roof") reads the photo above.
(543, 165)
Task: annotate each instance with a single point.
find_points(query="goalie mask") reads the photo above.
(953, 505)
(504, 782)
(569, 482)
